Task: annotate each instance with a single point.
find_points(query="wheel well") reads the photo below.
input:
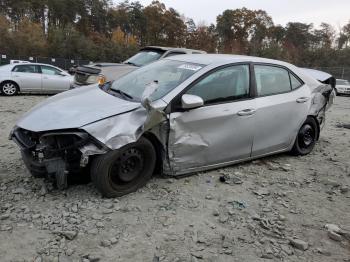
(8, 81)
(159, 151)
(318, 125)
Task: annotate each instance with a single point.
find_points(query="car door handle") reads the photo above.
(246, 112)
(302, 99)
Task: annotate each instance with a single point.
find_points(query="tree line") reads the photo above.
(97, 30)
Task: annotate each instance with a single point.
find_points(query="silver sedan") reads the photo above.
(33, 78)
(176, 116)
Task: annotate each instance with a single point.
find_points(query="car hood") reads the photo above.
(74, 109)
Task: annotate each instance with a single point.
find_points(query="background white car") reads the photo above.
(342, 87)
(33, 78)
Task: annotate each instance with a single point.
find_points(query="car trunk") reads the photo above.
(83, 72)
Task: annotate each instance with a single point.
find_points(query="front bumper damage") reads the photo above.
(55, 154)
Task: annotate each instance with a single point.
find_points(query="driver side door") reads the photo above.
(219, 132)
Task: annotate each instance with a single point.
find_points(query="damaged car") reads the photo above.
(105, 72)
(176, 116)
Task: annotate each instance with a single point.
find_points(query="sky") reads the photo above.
(336, 12)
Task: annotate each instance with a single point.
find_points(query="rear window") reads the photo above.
(175, 53)
(145, 57)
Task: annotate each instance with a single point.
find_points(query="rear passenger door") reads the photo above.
(54, 81)
(28, 77)
(282, 104)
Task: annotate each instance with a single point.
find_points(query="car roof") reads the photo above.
(221, 59)
(208, 59)
(164, 48)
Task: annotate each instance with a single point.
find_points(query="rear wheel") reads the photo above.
(306, 138)
(123, 171)
(9, 88)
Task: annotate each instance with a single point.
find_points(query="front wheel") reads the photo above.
(306, 138)
(123, 171)
(9, 89)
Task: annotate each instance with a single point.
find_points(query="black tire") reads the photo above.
(123, 171)
(306, 138)
(9, 88)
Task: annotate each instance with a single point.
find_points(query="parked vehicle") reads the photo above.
(33, 78)
(342, 87)
(104, 72)
(176, 116)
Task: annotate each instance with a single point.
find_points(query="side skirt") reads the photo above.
(219, 165)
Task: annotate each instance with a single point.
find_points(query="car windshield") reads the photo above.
(167, 73)
(145, 57)
(343, 82)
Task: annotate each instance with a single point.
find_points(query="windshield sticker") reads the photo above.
(190, 67)
(152, 53)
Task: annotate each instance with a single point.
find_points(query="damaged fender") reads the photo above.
(114, 133)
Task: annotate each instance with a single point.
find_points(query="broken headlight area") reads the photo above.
(55, 154)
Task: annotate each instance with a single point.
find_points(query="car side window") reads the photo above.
(48, 70)
(295, 82)
(271, 80)
(224, 85)
(26, 69)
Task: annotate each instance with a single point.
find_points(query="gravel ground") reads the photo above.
(276, 208)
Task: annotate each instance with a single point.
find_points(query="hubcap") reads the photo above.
(128, 166)
(9, 89)
(306, 136)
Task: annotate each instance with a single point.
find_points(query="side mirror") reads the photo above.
(191, 101)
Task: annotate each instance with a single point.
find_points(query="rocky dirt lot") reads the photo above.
(279, 208)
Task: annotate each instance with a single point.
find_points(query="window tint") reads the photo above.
(48, 70)
(271, 80)
(26, 69)
(295, 83)
(226, 84)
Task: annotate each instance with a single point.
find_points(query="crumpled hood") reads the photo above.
(74, 109)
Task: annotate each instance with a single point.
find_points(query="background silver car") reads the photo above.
(342, 87)
(33, 78)
(179, 115)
